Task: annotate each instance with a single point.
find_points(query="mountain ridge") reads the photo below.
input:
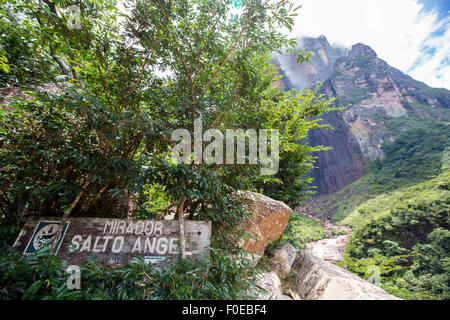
(374, 95)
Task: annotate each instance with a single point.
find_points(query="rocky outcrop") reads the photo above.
(282, 260)
(268, 287)
(331, 249)
(315, 279)
(302, 275)
(311, 278)
(269, 219)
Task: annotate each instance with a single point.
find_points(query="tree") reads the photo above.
(22, 61)
(100, 145)
(133, 78)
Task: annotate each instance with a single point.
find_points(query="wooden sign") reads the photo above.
(116, 241)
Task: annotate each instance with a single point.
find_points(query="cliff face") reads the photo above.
(368, 87)
(375, 97)
(340, 166)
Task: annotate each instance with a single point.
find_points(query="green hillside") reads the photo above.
(405, 234)
(414, 157)
(399, 213)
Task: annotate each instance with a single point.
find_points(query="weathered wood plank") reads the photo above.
(116, 241)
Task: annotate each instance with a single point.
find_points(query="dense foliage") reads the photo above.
(302, 230)
(414, 156)
(18, 54)
(42, 276)
(409, 228)
(399, 212)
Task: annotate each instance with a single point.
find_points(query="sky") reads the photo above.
(410, 35)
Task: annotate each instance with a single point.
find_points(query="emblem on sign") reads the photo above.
(45, 234)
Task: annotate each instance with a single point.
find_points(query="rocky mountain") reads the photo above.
(379, 102)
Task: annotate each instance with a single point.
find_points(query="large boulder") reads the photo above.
(268, 287)
(269, 219)
(316, 279)
(282, 259)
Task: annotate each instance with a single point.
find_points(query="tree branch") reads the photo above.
(141, 73)
(69, 210)
(180, 213)
(191, 83)
(228, 55)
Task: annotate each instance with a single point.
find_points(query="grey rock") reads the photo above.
(283, 259)
(316, 279)
(269, 286)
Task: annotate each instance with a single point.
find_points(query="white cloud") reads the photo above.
(395, 29)
(432, 70)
